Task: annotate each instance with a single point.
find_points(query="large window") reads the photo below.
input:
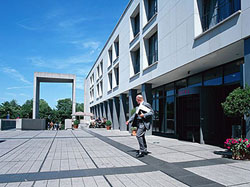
(170, 108)
(110, 55)
(153, 49)
(110, 80)
(151, 8)
(136, 24)
(116, 45)
(232, 72)
(116, 72)
(136, 60)
(214, 11)
(213, 77)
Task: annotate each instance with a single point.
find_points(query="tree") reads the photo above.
(237, 103)
(44, 110)
(26, 109)
(79, 107)
(11, 108)
(64, 108)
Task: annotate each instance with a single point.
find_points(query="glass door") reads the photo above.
(188, 117)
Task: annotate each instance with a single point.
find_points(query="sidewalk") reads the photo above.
(97, 157)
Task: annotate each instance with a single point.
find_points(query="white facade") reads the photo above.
(183, 48)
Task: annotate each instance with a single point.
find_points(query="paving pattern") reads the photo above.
(97, 157)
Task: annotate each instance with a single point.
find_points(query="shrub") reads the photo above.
(108, 123)
(240, 148)
(133, 128)
(76, 122)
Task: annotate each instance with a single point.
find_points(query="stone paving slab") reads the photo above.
(97, 157)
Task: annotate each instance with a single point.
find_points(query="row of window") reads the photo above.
(164, 97)
(151, 46)
(113, 74)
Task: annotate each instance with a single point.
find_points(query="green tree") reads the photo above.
(44, 109)
(64, 109)
(26, 109)
(79, 107)
(237, 103)
(10, 107)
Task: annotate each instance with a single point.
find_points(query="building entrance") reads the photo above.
(188, 117)
(200, 117)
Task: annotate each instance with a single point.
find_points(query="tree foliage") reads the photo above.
(11, 108)
(27, 109)
(237, 103)
(62, 111)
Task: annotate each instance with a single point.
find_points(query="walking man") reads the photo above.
(142, 119)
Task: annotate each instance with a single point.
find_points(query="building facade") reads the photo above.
(184, 57)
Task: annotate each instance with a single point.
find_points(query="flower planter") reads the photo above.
(240, 148)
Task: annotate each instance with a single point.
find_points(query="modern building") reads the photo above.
(184, 57)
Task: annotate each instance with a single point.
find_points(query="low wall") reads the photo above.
(23, 124)
(30, 124)
(68, 124)
(6, 124)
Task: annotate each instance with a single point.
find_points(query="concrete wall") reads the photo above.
(33, 124)
(6, 124)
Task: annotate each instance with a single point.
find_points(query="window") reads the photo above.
(98, 90)
(110, 55)
(136, 24)
(101, 88)
(101, 68)
(214, 11)
(116, 72)
(195, 81)
(110, 80)
(151, 8)
(232, 72)
(213, 77)
(153, 49)
(116, 45)
(170, 107)
(135, 55)
(98, 71)
(92, 80)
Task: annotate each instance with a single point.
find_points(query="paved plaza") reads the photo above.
(97, 157)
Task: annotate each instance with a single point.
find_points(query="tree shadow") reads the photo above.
(224, 154)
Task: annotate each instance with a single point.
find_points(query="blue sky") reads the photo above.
(57, 36)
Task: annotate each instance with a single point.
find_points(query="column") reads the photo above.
(123, 111)
(36, 98)
(101, 108)
(110, 111)
(148, 97)
(246, 77)
(74, 96)
(131, 102)
(105, 109)
(116, 111)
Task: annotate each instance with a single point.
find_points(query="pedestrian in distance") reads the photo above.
(142, 119)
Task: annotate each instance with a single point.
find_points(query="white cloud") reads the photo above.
(15, 74)
(80, 83)
(24, 95)
(71, 22)
(63, 63)
(92, 45)
(18, 87)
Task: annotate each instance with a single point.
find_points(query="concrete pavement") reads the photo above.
(97, 157)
